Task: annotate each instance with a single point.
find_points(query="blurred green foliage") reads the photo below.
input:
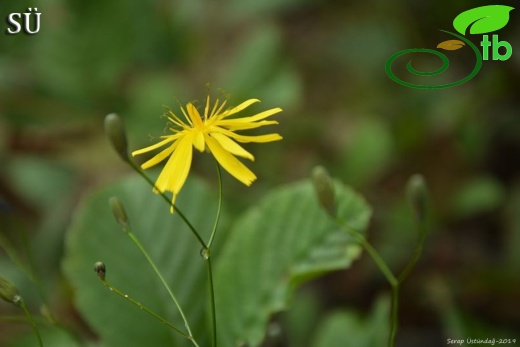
(323, 63)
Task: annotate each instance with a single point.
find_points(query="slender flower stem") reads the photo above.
(168, 201)
(421, 228)
(207, 255)
(381, 264)
(394, 315)
(217, 219)
(165, 284)
(383, 267)
(212, 303)
(31, 320)
(144, 308)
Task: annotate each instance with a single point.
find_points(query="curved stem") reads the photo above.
(417, 252)
(165, 284)
(383, 267)
(144, 308)
(168, 201)
(381, 264)
(213, 232)
(31, 320)
(207, 251)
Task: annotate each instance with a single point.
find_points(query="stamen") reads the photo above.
(206, 109)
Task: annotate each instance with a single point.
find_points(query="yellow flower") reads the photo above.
(215, 131)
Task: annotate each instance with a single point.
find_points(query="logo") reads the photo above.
(479, 20)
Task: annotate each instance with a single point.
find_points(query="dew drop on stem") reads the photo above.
(204, 253)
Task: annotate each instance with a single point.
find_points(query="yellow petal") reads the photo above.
(239, 108)
(194, 116)
(247, 138)
(176, 170)
(229, 162)
(232, 125)
(157, 145)
(257, 117)
(231, 146)
(198, 140)
(160, 157)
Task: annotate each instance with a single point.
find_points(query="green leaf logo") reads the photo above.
(484, 19)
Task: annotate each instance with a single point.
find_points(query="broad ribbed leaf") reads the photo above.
(95, 236)
(285, 239)
(483, 19)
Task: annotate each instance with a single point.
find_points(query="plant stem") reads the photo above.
(168, 201)
(421, 228)
(207, 252)
(165, 284)
(393, 315)
(212, 303)
(383, 267)
(31, 320)
(144, 308)
(213, 232)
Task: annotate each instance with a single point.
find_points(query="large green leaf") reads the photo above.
(285, 239)
(483, 19)
(95, 236)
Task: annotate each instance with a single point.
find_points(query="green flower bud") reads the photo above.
(115, 131)
(324, 188)
(119, 212)
(9, 293)
(417, 194)
(100, 269)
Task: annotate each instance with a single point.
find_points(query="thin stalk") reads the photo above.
(390, 277)
(421, 228)
(31, 320)
(381, 264)
(207, 252)
(168, 201)
(144, 308)
(393, 315)
(165, 284)
(212, 303)
(213, 232)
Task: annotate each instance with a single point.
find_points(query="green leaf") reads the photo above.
(286, 239)
(347, 329)
(484, 19)
(96, 236)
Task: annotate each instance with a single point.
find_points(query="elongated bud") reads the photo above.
(324, 189)
(115, 131)
(9, 293)
(417, 194)
(119, 212)
(100, 269)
